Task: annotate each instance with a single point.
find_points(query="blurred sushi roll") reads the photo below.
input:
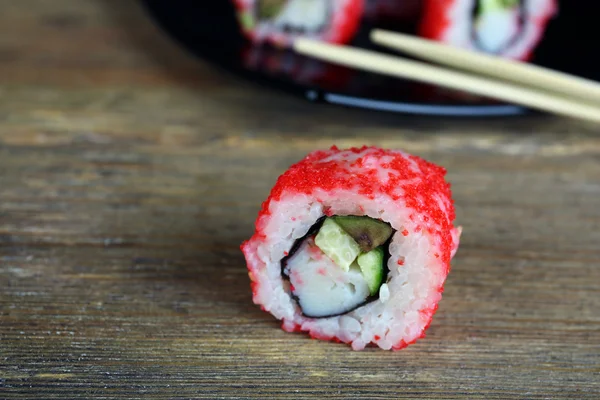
(279, 22)
(507, 28)
(354, 246)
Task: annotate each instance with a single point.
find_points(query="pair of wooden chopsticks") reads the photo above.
(502, 79)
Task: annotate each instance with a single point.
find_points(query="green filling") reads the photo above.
(488, 6)
(337, 244)
(247, 20)
(269, 9)
(369, 233)
(371, 266)
(353, 239)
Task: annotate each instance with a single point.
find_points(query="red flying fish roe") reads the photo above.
(310, 174)
(435, 21)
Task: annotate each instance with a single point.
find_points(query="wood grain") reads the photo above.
(131, 172)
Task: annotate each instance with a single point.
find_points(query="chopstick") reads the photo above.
(492, 66)
(422, 72)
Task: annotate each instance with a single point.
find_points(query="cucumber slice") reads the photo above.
(371, 266)
(369, 233)
(337, 244)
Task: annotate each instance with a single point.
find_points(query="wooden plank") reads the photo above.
(123, 202)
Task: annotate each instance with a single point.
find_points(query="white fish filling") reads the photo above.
(496, 30)
(322, 287)
(308, 15)
(497, 25)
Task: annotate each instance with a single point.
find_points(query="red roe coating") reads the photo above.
(435, 21)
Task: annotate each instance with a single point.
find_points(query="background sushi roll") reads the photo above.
(354, 246)
(279, 22)
(507, 28)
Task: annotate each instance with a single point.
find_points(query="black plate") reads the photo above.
(210, 30)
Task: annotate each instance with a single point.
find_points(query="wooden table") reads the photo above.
(130, 173)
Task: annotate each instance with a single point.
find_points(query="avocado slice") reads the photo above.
(369, 233)
(269, 9)
(371, 266)
(337, 244)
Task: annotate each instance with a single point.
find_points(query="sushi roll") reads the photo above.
(507, 28)
(354, 246)
(279, 22)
